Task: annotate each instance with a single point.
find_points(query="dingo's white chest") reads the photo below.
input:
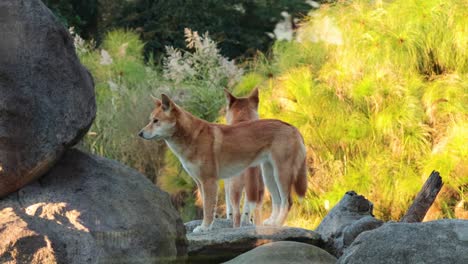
(193, 169)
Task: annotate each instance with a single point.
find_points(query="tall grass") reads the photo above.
(380, 92)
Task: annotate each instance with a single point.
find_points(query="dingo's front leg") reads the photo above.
(210, 195)
(227, 189)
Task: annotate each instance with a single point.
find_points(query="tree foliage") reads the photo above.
(239, 27)
(80, 14)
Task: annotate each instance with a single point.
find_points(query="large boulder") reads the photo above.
(89, 209)
(223, 244)
(47, 97)
(443, 241)
(350, 217)
(285, 252)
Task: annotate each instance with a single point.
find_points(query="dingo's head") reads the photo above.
(242, 108)
(162, 120)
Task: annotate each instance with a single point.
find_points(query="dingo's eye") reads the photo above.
(155, 121)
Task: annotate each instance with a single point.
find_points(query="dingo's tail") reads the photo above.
(300, 182)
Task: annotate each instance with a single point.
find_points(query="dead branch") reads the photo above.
(424, 199)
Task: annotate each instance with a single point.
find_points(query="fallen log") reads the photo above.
(424, 199)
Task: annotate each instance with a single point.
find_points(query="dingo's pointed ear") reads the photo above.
(156, 101)
(254, 96)
(166, 102)
(230, 99)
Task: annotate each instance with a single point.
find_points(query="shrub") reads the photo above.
(198, 75)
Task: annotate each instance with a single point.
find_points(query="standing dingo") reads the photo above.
(209, 152)
(241, 110)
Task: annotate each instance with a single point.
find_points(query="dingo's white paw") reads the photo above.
(245, 220)
(201, 229)
(269, 222)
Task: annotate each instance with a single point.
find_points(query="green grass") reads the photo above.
(380, 93)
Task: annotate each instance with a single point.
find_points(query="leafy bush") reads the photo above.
(379, 92)
(198, 75)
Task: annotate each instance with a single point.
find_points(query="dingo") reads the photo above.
(209, 152)
(240, 110)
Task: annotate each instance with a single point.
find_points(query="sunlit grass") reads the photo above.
(379, 91)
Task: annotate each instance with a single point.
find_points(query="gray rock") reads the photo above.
(285, 252)
(350, 217)
(226, 243)
(89, 209)
(443, 241)
(47, 97)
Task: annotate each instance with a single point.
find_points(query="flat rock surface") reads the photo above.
(443, 241)
(88, 209)
(226, 243)
(285, 252)
(47, 98)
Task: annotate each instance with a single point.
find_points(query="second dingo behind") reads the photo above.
(241, 110)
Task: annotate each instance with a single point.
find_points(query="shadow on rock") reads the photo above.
(89, 209)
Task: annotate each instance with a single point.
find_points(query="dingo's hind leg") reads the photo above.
(269, 178)
(283, 179)
(259, 202)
